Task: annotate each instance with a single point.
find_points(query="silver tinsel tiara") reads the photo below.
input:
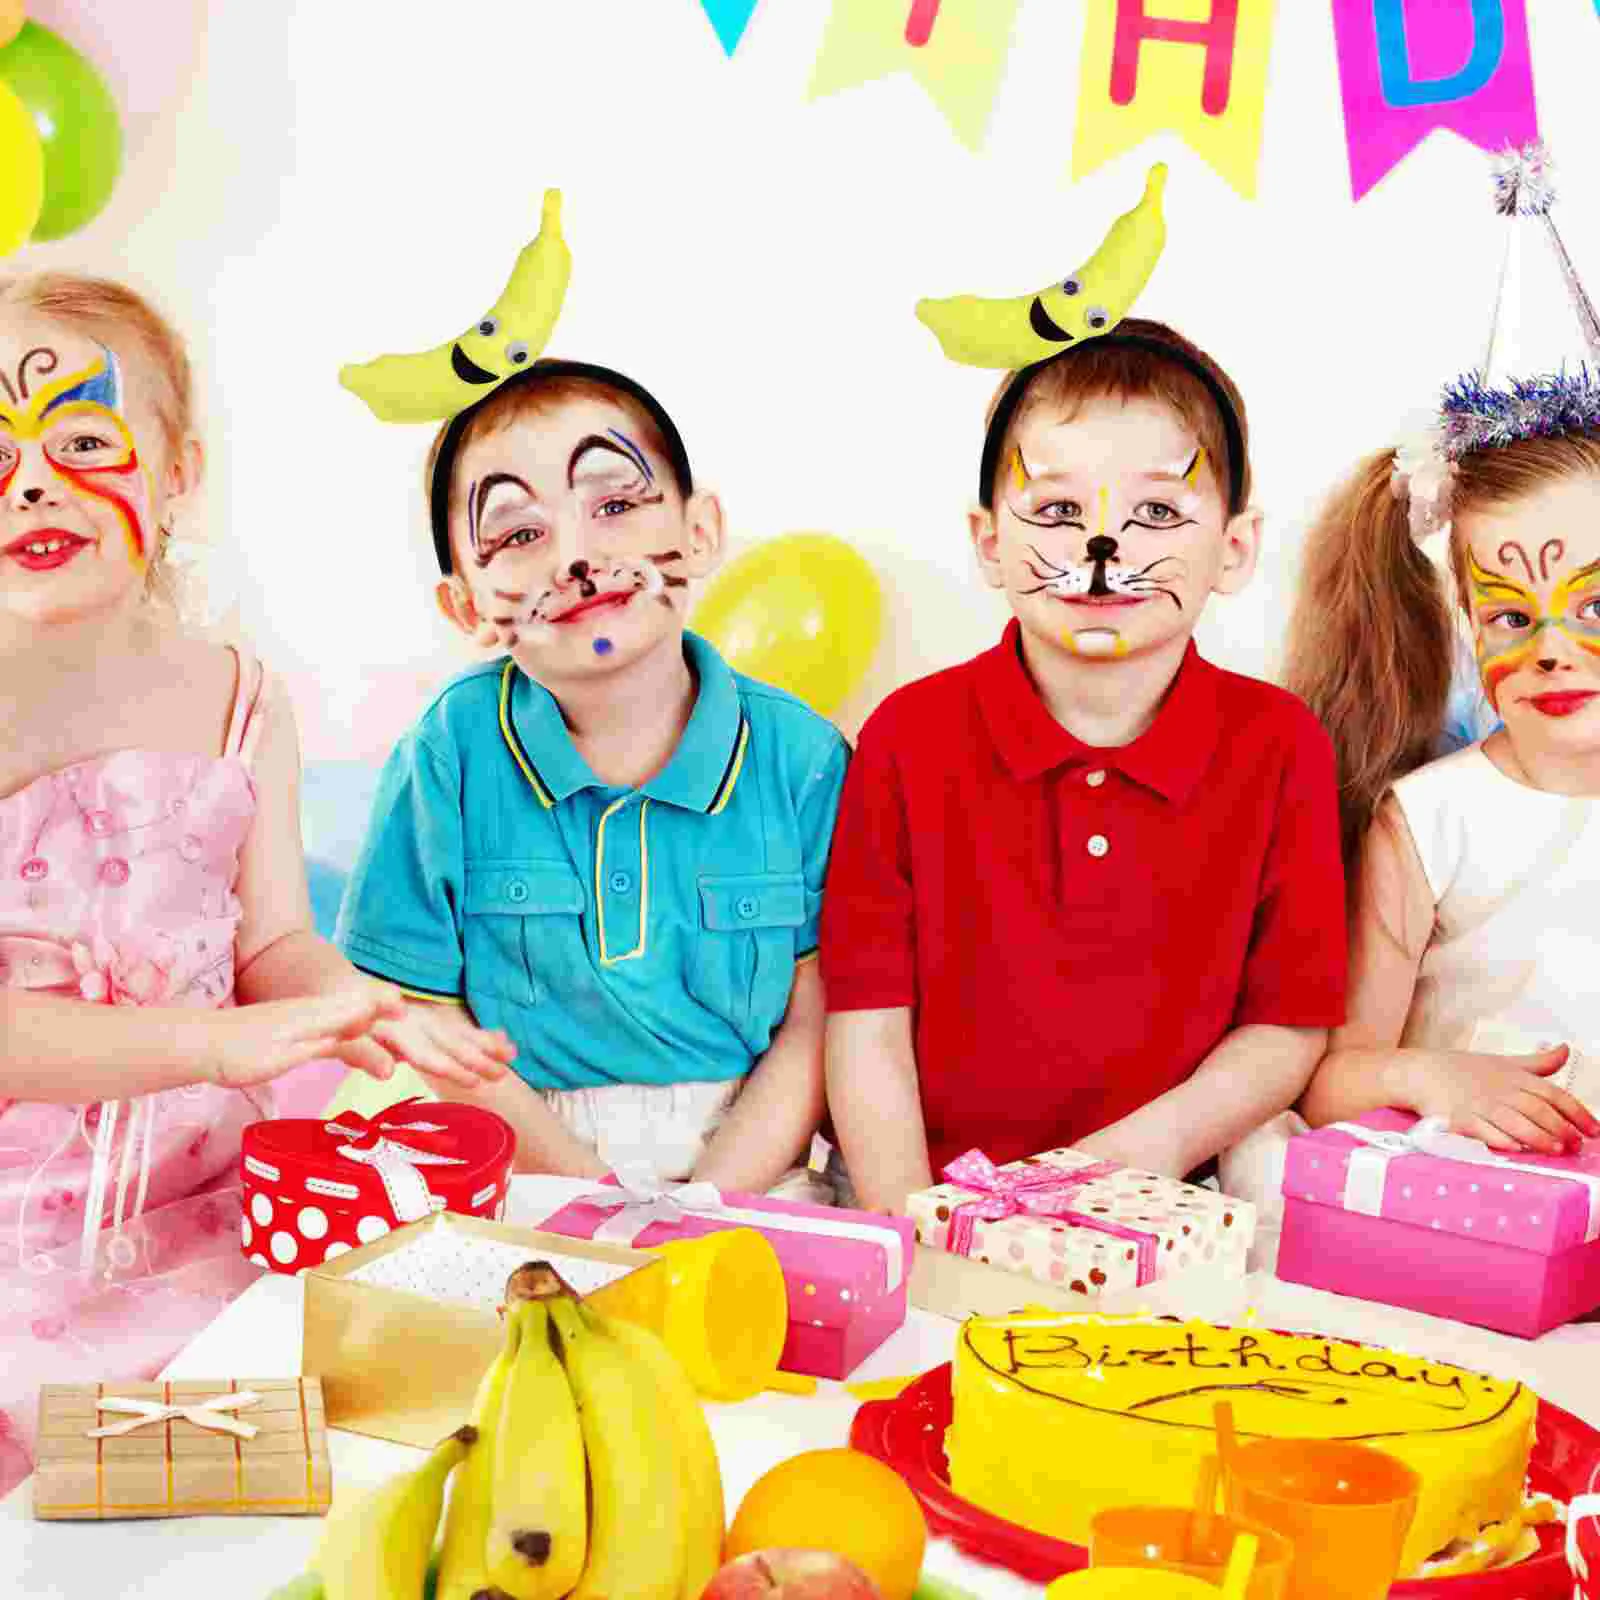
(1479, 414)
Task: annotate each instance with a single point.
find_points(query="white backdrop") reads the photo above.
(344, 180)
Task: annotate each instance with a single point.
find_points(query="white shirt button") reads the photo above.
(1099, 844)
(1095, 779)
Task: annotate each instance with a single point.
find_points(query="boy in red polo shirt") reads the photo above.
(1086, 888)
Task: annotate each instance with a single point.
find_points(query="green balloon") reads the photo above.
(78, 125)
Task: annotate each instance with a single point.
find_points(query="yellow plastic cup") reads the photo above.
(720, 1306)
(1172, 1538)
(1345, 1508)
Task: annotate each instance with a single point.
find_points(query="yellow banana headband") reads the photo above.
(545, 372)
(1026, 332)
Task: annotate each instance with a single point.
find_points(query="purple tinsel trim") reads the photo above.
(1474, 417)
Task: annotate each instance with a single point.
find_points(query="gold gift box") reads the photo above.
(404, 1366)
(175, 1468)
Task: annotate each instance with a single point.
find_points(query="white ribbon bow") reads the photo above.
(1581, 1506)
(396, 1165)
(209, 1414)
(1369, 1164)
(640, 1199)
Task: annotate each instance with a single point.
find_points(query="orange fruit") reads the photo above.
(843, 1501)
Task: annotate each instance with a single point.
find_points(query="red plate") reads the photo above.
(908, 1434)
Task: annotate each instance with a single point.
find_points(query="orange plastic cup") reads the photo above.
(1173, 1538)
(723, 1310)
(1345, 1508)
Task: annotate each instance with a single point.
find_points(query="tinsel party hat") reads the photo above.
(1540, 373)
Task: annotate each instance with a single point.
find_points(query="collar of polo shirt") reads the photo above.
(1169, 757)
(702, 773)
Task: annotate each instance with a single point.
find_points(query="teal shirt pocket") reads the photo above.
(522, 929)
(743, 962)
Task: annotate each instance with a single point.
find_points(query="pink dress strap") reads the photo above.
(250, 703)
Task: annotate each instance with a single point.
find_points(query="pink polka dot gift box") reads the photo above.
(1086, 1227)
(1402, 1211)
(314, 1190)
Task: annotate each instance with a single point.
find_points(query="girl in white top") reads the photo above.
(1475, 922)
(1475, 957)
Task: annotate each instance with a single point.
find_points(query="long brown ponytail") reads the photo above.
(1370, 642)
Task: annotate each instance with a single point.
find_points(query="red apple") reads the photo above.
(794, 1575)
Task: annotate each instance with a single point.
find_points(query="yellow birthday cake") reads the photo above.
(1055, 1417)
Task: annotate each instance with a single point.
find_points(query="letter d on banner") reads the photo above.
(1408, 67)
(1202, 75)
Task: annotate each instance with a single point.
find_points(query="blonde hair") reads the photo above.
(1372, 635)
(115, 316)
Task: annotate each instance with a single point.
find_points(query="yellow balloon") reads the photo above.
(21, 172)
(803, 612)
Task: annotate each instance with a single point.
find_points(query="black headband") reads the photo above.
(1233, 431)
(444, 465)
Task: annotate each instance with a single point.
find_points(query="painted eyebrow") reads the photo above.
(1582, 575)
(101, 388)
(626, 450)
(494, 480)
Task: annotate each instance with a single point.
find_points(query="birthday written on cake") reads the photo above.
(1066, 1352)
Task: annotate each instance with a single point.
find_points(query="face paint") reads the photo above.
(1019, 467)
(602, 647)
(87, 442)
(1103, 642)
(1191, 473)
(1137, 583)
(1504, 644)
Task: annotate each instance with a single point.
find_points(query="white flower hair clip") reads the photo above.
(1424, 477)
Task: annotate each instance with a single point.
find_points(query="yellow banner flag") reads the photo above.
(1197, 68)
(956, 49)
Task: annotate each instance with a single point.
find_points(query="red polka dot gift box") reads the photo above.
(314, 1190)
(1402, 1211)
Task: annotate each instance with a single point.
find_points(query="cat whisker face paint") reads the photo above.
(67, 437)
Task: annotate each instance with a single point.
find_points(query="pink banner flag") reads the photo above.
(1408, 67)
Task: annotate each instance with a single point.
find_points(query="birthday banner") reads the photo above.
(956, 49)
(1406, 69)
(1198, 68)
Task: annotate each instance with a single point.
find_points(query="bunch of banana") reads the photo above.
(587, 1471)
(597, 1477)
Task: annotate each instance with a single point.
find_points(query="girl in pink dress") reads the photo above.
(158, 967)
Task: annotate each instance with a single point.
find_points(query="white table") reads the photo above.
(259, 1337)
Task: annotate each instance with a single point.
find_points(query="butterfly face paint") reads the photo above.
(78, 422)
(1514, 625)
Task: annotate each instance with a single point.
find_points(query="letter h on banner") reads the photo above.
(1136, 81)
(1217, 34)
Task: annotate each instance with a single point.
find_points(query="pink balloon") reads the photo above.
(147, 50)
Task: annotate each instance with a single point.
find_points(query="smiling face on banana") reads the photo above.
(572, 545)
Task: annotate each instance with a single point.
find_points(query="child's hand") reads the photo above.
(441, 1041)
(1506, 1101)
(248, 1045)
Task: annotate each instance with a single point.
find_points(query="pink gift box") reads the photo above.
(846, 1271)
(1510, 1242)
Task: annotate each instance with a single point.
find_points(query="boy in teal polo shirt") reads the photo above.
(606, 843)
